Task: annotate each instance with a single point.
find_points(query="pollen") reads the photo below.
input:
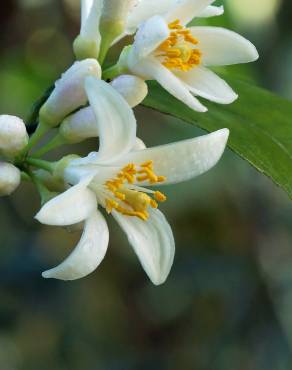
(129, 199)
(179, 51)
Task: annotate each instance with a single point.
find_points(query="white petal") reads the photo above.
(87, 255)
(203, 82)
(115, 119)
(133, 89)
(220, 46)
(212, 11)
(149, 36)
(183, 160)
(186, 10)
(152, 241)
(139, 145)
(145, 10)
(152, 69)
(69, 208)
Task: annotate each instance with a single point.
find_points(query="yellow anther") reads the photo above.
(148, 164)
(120, 195)
(177, 50)
(128, 201)
(160, 196)
(175, 25)
(161, 178)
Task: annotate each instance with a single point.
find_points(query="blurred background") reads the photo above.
(228, 301)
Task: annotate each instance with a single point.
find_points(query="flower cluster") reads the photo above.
(89, 101)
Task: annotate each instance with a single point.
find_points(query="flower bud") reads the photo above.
(79, 126)
(9, 178)
(69, 93)
(13, 135)
(87, 44)
(113, 22)
(116, 10)
(132, 88)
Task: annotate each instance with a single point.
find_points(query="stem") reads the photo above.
(57, 141)
(45, 194)
(41, 130)
(112, 72)
(39, 163)
(25, 176)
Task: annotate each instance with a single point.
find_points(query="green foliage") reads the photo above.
(260, 124)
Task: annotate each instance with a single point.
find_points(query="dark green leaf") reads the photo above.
(260, 124)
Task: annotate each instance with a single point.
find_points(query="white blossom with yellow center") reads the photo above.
(178, 57)
(121, 178)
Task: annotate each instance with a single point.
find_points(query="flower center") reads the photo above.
(179, 50)
(129, 199)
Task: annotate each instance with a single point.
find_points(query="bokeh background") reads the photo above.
(228, 301)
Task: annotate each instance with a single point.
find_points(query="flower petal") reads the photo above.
(115, 119)
(152, 69)
(220, 46)
(88, 254)
(186, 10)
(71, 207)
(90, 16)
(205, 83)
(152, 241)
(146, 9)
(183, 160)
(211, 11)
(149, 36)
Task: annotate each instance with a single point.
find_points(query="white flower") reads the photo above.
(178, 57)
(68, 94)
(83, 125)
(13, 135)
(117, 178)
(9, 178)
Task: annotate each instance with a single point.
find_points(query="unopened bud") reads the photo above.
(132, 88)
(79, 126)
(87, 44)
(116, 10)
(113, 22)
(69, 93)
(10, 178)
(13, 135)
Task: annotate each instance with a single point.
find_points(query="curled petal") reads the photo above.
(149, 36)
(152, 241)
(88, 254)
(152, 69)
(220, 46)
(186, 10)
(205, 83)
(69, 208)
(183, 160)
(115, 120)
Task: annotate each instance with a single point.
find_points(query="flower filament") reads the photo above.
(129, 199)
(178, 51)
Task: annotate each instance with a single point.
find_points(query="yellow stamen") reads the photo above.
(128, 201)
(178, 50)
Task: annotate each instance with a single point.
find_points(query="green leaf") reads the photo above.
(260, 126)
